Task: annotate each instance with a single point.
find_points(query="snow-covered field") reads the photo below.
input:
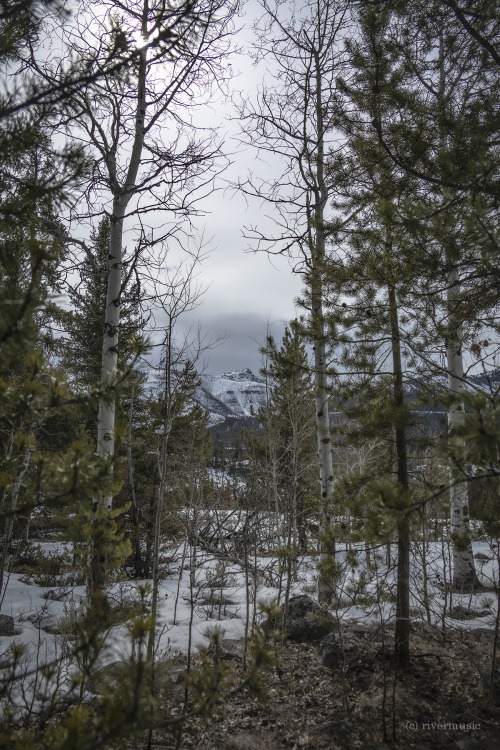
(201, 590)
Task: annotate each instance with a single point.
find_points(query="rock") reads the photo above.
(41, 618)
(306, 620)
(228, 648)
(169, 676)
(330, 650)
(7, 625)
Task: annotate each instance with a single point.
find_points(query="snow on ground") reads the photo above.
(201, 592)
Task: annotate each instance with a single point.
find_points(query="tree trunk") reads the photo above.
(135, 513)
(402, 635)
(163, 457)
(9, 524)
(107, 399)
(106, 417)
(464, 574)
(325, 457)
(325, 453)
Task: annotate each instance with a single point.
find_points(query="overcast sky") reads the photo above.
(246, 290)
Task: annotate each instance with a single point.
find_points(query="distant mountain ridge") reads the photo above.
(238, 393)
(232, 394)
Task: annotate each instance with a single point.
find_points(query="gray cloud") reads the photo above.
(242, 336)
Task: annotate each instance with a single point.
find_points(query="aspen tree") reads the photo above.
(146, 155)
(294, 119)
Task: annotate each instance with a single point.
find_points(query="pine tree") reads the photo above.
(288, 422)
(445, 114)
(81, 351)
(30, 389)
(377, 277)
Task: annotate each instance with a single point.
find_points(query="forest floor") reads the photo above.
(440, 702)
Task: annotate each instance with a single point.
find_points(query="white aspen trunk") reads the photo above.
(122, 194)
(273, 460)
(274, 479)
(464, 574)
(167, 426)
(106, 417)
(325, 452)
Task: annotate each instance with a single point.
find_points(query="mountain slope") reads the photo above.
(233, 394)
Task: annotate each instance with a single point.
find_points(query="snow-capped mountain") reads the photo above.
(233, 394)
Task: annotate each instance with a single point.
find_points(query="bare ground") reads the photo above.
(441, 702)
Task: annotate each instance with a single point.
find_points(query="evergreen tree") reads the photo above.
(288, 423)
(441, 132)
(30, 390)
(81, 351)
(377, 281)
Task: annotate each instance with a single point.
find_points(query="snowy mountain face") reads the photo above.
(233, 394)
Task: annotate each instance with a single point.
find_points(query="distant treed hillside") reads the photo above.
(236, 396)
(233, 398)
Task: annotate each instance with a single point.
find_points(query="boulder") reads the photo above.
(305, 620)
(170, 676)
(43, 619)
(7, 625)
(228, 648)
